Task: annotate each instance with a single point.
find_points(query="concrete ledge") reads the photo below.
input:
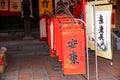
(26, 47)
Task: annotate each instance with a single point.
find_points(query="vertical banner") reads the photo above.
(90, 22)
(3, 7)
(103, 30)
(15, 7)
(43, 32)
(52, 52)
(45, 5)
(73, 44)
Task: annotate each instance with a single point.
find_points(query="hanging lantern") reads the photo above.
(15, 7)
(3, 7)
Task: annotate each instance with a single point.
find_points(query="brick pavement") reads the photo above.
(43, 68)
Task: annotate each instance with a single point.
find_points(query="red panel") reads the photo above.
(4, 8)
(113, 19)
(14, 7)
(80, 10)
(3, 13)
(15, 13)
(57, 39)
(52, 41)
(73, 43)
(48, 30)
(1, 62)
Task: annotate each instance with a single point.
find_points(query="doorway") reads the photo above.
(12, 26)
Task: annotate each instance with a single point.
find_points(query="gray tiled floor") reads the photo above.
(43, 68)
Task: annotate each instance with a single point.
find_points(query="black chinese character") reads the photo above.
(45, 3)
(72, 43)
(101, 29)
(101, 37)
(100, 19)
(73, 58)
(15, 5)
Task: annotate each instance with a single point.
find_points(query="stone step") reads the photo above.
(26, 47)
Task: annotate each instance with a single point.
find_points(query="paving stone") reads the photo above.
(42, 67)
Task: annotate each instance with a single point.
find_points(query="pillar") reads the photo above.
(27, 19)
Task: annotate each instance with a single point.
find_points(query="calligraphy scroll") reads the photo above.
(103, 30)
(15, 7)
(45, 5)
(90, 22)
(3, 7)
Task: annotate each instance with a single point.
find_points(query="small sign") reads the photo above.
(15, 7)
(3, 7)
(45, 5)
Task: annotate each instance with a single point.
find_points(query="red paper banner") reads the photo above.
(15, 7)
(3, 7)
(73, 45)
(57, 39)
(58, 21)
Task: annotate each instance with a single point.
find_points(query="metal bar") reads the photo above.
(96, 62)
(88, 69)
(70, 14)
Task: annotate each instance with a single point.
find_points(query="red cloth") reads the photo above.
(1, 63)
(78, 10)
